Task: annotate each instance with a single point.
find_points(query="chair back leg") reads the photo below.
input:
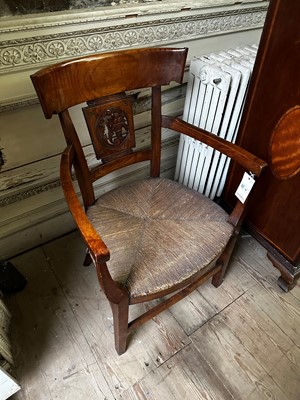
(88, 259)
(224, 261)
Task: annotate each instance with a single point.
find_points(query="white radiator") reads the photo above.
(216, 92)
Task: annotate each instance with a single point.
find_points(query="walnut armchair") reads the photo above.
(152, 237)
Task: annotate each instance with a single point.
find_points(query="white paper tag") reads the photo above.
(245, 187)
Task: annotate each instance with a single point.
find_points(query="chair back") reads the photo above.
(105, 83)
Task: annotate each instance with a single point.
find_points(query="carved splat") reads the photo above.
(110, 123)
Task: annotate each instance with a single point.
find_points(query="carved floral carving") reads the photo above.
(11, 56)
(27, 51)
(112, 127)
(110, 123)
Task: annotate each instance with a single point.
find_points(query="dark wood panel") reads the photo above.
(274, 211)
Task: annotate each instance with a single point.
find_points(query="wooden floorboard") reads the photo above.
(49, 345)
(187, 375)
(240, 341)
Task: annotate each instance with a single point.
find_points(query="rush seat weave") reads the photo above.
(159, 233)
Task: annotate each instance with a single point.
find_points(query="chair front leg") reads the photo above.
(120, 316)
(118, 298)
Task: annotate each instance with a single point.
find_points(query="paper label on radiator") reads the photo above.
(245, 187)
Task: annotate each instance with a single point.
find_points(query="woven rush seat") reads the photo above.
(159, 234)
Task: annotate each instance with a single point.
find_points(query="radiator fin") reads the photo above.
(215, 98)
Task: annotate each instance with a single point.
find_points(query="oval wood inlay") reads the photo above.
(284, 151)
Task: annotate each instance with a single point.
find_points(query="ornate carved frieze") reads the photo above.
(41, 50)
(6, 201)
(17, 104)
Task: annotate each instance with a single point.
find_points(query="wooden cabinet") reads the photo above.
(270, 128)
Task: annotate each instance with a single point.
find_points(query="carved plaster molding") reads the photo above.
(6, 201)
(37, 51)
(16, 105)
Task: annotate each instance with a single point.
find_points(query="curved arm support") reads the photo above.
(241, 156)
(237, 215)
(97, 248)
(238, 154)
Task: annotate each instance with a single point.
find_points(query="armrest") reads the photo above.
(97, 247)
(241, 156)
(235, 152)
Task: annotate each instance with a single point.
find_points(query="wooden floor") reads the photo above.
(240, 341)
